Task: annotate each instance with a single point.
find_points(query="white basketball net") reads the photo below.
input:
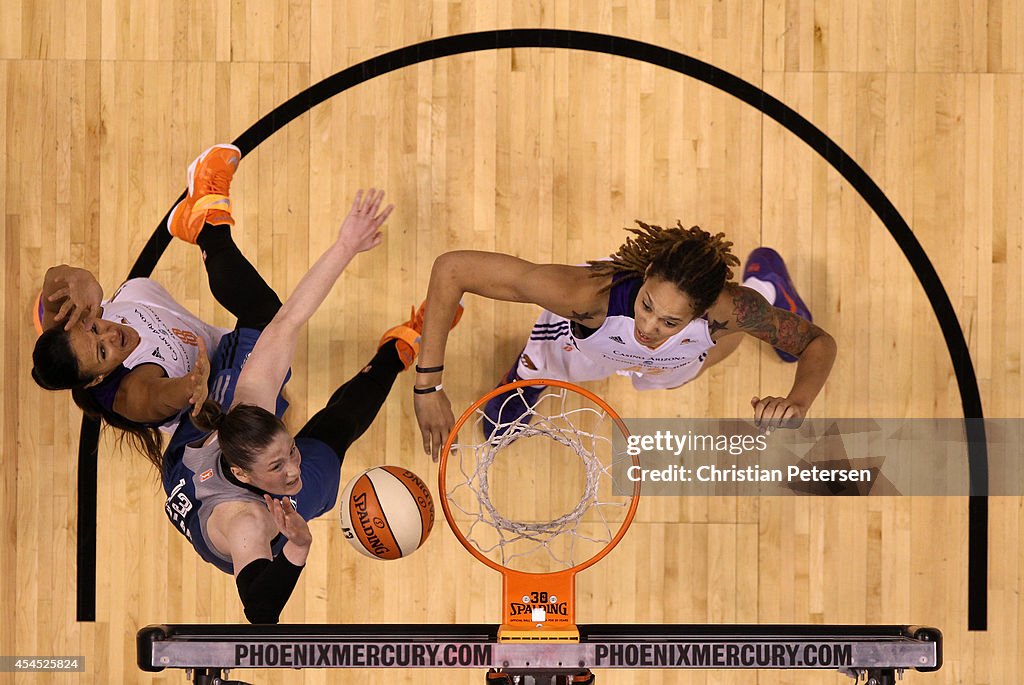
(475, 469)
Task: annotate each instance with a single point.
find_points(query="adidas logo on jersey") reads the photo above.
(616, 339)
(156, 353)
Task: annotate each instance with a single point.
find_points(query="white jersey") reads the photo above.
(169, 333)
(169, 337)
(556, 350)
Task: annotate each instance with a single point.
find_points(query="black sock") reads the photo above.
(235, 283)
(354, 406)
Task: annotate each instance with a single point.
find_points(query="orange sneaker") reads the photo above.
(209, 182)
(408, 334)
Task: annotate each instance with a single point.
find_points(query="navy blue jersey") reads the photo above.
(197, 481)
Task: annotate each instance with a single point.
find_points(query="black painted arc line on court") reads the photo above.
(959, 353)
(88, 442)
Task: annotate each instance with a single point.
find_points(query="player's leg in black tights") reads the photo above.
(353, 406)
(234, 282)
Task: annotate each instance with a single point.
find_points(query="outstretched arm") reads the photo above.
(568, 291)
(147, 395)
(264, 582)
(264, 372)
(747, 311)
(70, 295)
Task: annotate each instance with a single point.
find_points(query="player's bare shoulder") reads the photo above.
(733, 303)
(588, 302)
(572, 292)
(244, 519)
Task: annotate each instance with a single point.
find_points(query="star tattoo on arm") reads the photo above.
(715, 326)
(580, 317)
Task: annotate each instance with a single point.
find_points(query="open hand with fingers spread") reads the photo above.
(360, 231)
(289, 522)
(80, 296)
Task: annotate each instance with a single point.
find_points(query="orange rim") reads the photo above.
(443, 471)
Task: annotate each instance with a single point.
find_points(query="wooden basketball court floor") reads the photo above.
(547, 154)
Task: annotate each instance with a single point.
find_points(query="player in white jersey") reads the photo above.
(661, 310)
(167, 332)
(135, 359)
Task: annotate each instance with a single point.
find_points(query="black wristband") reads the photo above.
(427, 391)
(429, 369)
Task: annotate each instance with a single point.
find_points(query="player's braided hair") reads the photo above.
(697, 262)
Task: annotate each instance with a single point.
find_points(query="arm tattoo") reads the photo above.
(777, 327)
(580, 317)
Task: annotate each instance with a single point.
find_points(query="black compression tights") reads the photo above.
(234, 282)
(354, 406)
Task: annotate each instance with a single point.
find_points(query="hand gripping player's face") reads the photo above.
(101, 347)
(276, 468)
(661, 311)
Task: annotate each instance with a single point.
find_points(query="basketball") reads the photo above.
(386, 512)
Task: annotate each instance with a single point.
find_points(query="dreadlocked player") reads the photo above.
(660, 310)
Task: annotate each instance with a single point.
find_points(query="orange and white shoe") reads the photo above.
(408, 334)
(208, 201)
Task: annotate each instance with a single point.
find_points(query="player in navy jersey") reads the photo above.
(242, 495)
(660, 310)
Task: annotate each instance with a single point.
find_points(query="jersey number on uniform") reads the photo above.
(178, 506)
(187, 337)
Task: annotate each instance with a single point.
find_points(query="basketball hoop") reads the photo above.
(566, 429)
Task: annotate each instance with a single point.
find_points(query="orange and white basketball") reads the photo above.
(386, 512)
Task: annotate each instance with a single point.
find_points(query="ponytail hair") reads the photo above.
(243, 431)
(695, 261)
(210, 416)
(145, 439)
